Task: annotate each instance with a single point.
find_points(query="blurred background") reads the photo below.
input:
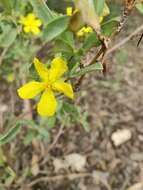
(99, 145)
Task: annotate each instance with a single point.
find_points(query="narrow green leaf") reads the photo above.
(42, 10)
(55, 28)
(94, 67)
(7, 4)
(68, 38)
(11, 133)
(8, 36)
(112, 19)
(91, 41)
(88, 13)
(62, 47)
(109, 26)
(99, 6)
(139, 6)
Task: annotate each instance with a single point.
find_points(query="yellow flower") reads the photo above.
(70, 11)
(83, 31)
(50, 82)
(101, 19)
(31, 24)
(10, 77)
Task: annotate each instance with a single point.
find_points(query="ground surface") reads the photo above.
(113, 102)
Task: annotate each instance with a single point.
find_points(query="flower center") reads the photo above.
(47, 85)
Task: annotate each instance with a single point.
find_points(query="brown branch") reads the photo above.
(129, 5)
(59, 177)
(125, 40)
(53, 143)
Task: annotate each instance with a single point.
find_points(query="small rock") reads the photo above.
(137, 156)
(140, 137)
(3, 108)
(137, 186)
(34, 165)
(59, 164)
(121, 136)
(76, 161)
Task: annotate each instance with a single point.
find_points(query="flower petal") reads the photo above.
(58, 68)
(69, 11)
(47, 104)
(30, 90)
(35, 30)
(27, 29)
(64, 87)
(23, 20)
(30, 17)
(38, 22)
(42, 70)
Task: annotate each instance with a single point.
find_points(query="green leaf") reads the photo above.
(91, 41)
(8, 36)
(68, 38)
(42, 10)
(139, 6)
(72, 110)
(111, 19)
(11, 175)
(109, 26)
(7, 4)
(99, 6)
(64, 43)
(51, 122)
(11, 133)
(94, 67)
(61, 47)
(29, 137)
(84, 121)
(55, 28)
(48, 122)
(88, 12)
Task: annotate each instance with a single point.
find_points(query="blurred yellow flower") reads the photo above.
(83, 31)
(50, 82)
(10, 77)
(70, 11)
(31, 24)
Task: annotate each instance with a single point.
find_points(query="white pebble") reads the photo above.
(121, 136)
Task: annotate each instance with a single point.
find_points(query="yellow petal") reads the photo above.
(80, 33)
(69, 11)
(27, 29)
(42, 70)
(30, 90)
(38, 22)
(58, 68)
(106, 10)
(35, 30)
(101, 19)
(23, 20)
(30, 17)
(64, 87)
(47, 104)
(88, 29)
